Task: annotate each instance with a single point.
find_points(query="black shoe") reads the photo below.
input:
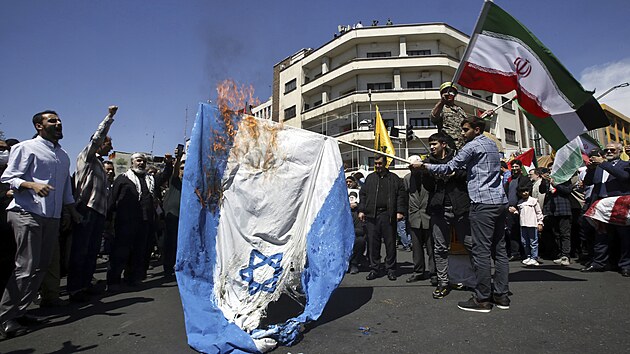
(441, 291)
(475, 306)
(625, 272)
(592, 269)
(457, 286)
(11, 328)
(354, 269)
(414, 278)
(501, 301)
(81, 296)
(30, 320)
(48, 303)
(372, 275)
(391, 276)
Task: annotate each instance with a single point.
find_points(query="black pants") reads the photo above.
(420, 240)
(381, 228)
(128, 251)
(170, 243)
(561, 226)
(513, 236)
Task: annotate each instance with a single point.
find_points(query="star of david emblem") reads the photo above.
(259, 260)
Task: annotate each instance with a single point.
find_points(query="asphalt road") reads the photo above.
(554, 309)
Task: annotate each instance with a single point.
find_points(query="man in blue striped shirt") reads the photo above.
(481, 159)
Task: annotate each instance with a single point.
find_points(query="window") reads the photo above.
(379, 54)
(510, 136)
(414, 53)
(419, 84)
(289, 112)
(388, 123)
(289, 86)
(507, 107)
(380, 86)
(421, 123)
(318, 103)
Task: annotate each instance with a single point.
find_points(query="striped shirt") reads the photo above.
(41, 161)
(91, 179)
(482, 161)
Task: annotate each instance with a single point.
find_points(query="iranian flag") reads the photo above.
(503, 56)
(528, 158)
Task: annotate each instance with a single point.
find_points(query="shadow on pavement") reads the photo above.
(539, 275)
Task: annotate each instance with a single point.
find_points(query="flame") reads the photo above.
(232, 99)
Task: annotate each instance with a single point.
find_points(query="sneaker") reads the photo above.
(372, 275)
(564, 261)
(475, 306)
(441, 291)
(526, 261)
(501, 301)
(391, 276)
(457, 286)
(533, 262)
(354, 269)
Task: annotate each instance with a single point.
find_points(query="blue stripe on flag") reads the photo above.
(207, 328)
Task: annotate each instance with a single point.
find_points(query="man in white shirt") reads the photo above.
(38, 173)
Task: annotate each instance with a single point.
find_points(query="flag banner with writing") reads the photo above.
(503, 56)
(382, 141)
(264, 212)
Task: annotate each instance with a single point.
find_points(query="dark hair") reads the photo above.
(544, 170)
(38, 118)
(475, 122)
(358, 175)
(379, 157)
(439, 137)
(504, 164)
(11, 141)
(518, 162)
(107, 162)
(353, 194)
(351, 178)
(537, 171)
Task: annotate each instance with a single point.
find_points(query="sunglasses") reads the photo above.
(611, 150)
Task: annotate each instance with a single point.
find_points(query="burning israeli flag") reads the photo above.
(264, 211)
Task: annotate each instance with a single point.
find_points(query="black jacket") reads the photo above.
(454, 186)
(396, 195)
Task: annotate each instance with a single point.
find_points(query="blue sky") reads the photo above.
(156, 58)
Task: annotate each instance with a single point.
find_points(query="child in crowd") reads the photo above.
(531, 218)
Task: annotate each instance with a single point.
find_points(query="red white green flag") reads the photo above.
(503, 56)
(528, 158)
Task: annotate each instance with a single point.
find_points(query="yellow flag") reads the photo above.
(382, 142)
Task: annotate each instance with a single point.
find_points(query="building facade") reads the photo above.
(618, 131)
(335, 89)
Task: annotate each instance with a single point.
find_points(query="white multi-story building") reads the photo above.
(335, 89)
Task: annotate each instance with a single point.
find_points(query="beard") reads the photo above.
(139, 171)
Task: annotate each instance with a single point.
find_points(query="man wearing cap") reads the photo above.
(448, 117)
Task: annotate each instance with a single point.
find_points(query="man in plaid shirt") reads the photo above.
(481, 159)
(91, 198)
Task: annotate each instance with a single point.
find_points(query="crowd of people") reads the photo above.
(55, 222)
(499, 213)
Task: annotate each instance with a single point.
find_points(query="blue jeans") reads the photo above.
(401, 229)
(529, 240)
